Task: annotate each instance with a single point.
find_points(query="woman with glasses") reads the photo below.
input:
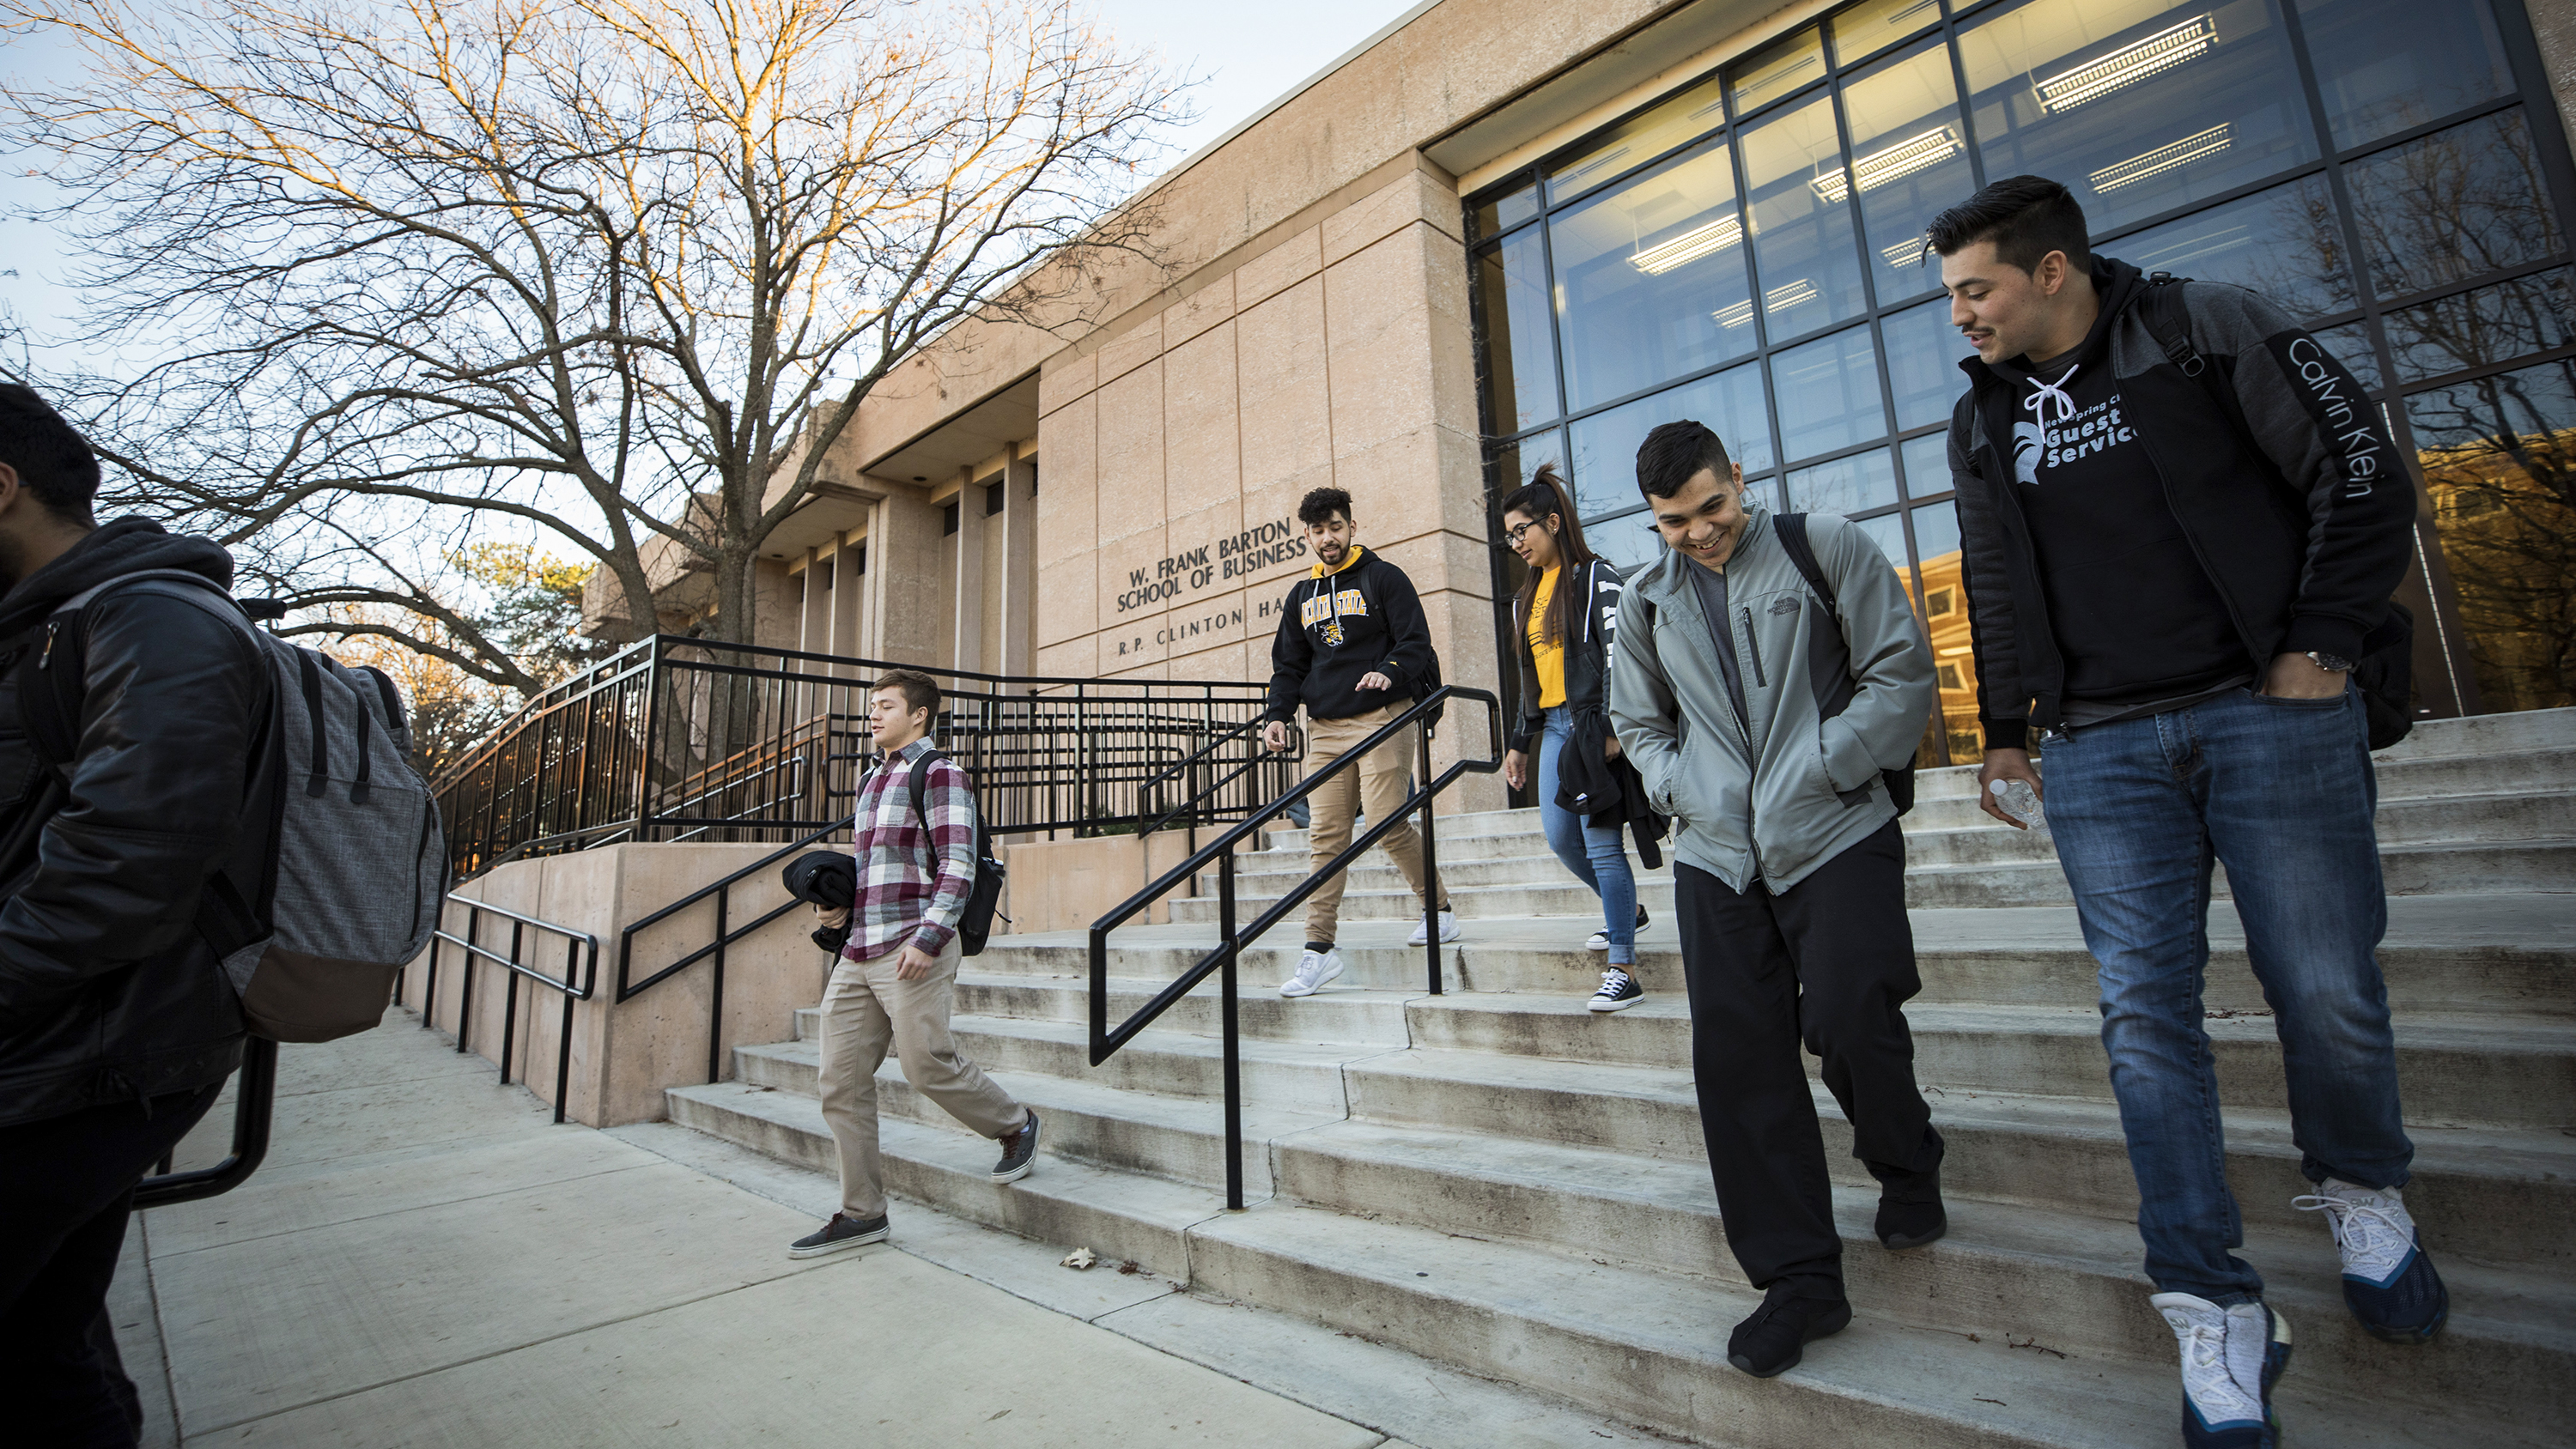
(1566, 619)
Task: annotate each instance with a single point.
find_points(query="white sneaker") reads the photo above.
(1448, 930)
(1600, 940)
(1313, 970)
(2231, 1357)
(2388, 1282)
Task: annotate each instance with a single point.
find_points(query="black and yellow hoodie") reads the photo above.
(1342, 624)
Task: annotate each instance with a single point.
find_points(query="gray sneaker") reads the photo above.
(843, 1231)
(1018, 1150)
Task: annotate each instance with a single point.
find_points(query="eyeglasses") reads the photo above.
(1514, 533)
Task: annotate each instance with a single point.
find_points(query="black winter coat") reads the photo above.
(107, 991)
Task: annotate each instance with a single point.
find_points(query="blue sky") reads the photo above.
(1248, 53)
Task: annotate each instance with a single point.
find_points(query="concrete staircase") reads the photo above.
(1502, 1181)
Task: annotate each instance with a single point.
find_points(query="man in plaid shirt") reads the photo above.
(897, 977)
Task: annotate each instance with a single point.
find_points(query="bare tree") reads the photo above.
(385, 280)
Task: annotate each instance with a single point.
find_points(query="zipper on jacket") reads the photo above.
(46, 659)
(1753, 646)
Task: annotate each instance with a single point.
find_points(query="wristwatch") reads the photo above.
(2330, 663)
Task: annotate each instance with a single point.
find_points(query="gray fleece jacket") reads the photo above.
(1785, 789)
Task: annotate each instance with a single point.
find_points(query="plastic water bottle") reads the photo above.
(2018, 800)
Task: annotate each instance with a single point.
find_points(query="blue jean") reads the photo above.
(2281, 792)
(1593, 853)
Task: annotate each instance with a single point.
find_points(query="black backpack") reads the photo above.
(1791, 530)
(2385, 673)
(975, 923)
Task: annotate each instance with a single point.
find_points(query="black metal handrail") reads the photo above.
(679, 737)
(1198, 801)
(254, 1094)
(722, 893)
(576, 944)
(1221, 961)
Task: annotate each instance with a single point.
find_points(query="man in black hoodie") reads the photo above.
(2180, 526)
(1354, 649)
(117, 1025)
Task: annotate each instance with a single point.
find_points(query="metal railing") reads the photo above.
(1221, 961)
(679, 738)
(577, 946)
(254, 1092)
(721, 891)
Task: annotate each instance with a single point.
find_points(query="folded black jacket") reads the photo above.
(1606, 791)
(107, 991)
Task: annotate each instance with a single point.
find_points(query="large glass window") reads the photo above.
(1650, 279)
(2138, 106)
(1745, 250)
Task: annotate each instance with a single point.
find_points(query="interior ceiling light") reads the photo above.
(1907, 253)
(2129, 64)
(2163, 159)
(1788, 294)
(1735, 316)
(1690, 246)
(1886, 164)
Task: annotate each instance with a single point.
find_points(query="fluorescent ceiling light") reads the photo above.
(1907, 253)
(1888, 163)
(1735, 316)
(2163, 159)
(1690, 246)
(2129, 64)
(1788, 294)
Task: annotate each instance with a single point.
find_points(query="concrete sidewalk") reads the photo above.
(425, 1259)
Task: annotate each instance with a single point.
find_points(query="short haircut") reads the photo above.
(54, 461)
(2026, 217)
(1320, 504)
(919, 690)
(1675, 453)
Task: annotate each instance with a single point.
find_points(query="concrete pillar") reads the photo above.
(849, 586)
(1018, 594)
(966, 643)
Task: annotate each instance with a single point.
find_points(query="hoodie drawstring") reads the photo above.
(2047, 392)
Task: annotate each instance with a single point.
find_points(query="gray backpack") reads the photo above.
(359, 863)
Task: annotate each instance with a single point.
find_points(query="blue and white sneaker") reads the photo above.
(2231, 1357)
(2388, 1282)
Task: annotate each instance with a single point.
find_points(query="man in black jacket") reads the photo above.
(2179, 534)
(1354, 649)
(117, 1025)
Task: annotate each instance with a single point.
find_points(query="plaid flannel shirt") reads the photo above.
(899, 899)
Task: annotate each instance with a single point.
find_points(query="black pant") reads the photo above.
(66, 1189)
(1829, 961)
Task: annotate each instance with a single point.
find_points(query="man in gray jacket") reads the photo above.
(1762, 722)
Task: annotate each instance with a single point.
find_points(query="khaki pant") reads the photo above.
(1378, 783)
(865, 1010)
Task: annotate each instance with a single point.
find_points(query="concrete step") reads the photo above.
(1359, 1015)
(1646, 1343)
(2427, 868)
(2479, 954)
(2454, 1070)
(2503, 1194)
(2004, 1272)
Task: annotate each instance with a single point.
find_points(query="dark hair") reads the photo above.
(53, 461)
(1543, 497)
(2026, 217)
(919, 690)
(1320, 504)
(1675, 453)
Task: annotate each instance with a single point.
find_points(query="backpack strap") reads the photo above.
(55, 730)
(1791, 530)
(2169, 322)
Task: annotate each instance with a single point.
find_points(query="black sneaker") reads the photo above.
(843, 1231)
(1019, 1149)
(1773, 1340)
(1910, 1213)
(1618, 992)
